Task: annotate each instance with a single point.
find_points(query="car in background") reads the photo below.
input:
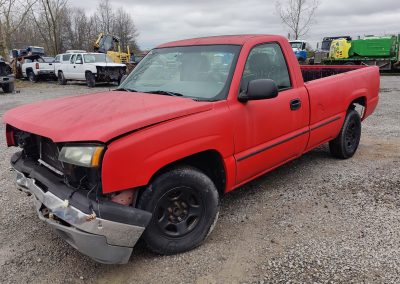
(6, 77)
(89, 67)
(35, 67)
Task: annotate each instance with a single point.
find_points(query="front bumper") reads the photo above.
(104, 238)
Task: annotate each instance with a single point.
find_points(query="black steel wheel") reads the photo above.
(179, 211)
(346, 143)
(185, 204)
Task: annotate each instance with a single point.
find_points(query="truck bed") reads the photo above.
(332, 90)
(314, 72)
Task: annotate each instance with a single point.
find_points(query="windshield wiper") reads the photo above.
(167, 93)
(126, 90)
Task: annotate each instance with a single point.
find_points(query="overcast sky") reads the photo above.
(160, 21)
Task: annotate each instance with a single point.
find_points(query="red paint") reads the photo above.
(251, 138)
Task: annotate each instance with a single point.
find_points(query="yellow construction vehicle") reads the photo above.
(110, 45)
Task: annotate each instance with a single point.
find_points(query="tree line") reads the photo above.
(57, 26)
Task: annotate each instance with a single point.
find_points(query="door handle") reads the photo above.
(74, 66)
(295, 104)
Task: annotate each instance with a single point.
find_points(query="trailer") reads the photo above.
(381, 51)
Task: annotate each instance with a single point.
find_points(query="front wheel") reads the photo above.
(185, 205)
(90, 79)
(61, 78)
(346, 143)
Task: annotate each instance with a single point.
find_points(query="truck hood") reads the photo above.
(100, 116)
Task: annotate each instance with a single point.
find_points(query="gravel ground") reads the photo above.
(316, 219)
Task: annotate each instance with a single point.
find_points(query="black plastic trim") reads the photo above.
(271, 146)
(326, 122)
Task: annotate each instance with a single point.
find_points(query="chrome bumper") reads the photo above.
(103, 240)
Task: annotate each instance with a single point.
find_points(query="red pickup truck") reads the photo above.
(195, 119)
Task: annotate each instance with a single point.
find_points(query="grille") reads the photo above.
(49, 155)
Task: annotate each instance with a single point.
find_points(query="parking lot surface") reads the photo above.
(315, 219)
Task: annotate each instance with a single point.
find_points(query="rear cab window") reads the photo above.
(266, 61)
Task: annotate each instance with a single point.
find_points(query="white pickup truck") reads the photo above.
(36, 66)
(89, 67)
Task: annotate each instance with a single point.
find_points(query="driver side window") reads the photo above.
(72, 60)
(266, 61)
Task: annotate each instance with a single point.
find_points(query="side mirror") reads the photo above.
(78, 61)
(122, 79)
(259, 89)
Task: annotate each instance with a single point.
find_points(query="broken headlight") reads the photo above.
(84, 156)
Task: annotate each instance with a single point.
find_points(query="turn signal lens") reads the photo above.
(10, 136)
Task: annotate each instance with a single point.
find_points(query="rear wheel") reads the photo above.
(90, 79)
(32, 77)
(61, 78)
(346, 143)
(185, 205)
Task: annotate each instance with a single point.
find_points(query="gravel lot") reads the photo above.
(316, 219)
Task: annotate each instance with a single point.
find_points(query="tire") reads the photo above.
(32, 77)
(185, 205)
(90, 79)
(346, 143)
(8, 88)
(61, 78)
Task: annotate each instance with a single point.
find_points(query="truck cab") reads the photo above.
(300, 49)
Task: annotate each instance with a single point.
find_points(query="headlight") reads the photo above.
(85, 156)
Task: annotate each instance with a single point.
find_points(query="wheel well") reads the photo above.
(28, 70)
(359, 101)
(209, 162)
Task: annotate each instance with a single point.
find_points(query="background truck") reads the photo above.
(88, 67)
(322, 51)
(381, 51)
(152, 158)
(6, 77)
(35, 67)
(301, 49)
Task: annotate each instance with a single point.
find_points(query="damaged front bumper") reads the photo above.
(107, 232)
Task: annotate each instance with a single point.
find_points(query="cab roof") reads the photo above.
(225, 39)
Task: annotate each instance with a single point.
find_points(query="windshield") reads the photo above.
(296, 45)
(326, 45)
(97, 58)
(199, 72)
(37, 50)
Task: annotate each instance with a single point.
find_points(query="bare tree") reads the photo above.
(12, 16)
(105, 16)
(125, 29)
(298, 15)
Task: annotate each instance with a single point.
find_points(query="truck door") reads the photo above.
(69, 68)
(79, 71)
(272, 131)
